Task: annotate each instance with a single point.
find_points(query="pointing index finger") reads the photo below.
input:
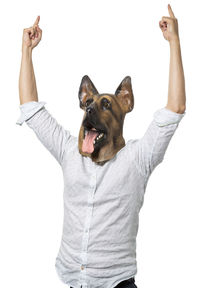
(170, 11)
(37, 21)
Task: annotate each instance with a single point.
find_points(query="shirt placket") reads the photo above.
(85, 238)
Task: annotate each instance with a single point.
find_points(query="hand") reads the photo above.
(32, 35)
(169, 26)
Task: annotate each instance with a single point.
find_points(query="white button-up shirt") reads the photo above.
(101, 203)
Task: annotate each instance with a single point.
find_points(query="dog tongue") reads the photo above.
(88, 146)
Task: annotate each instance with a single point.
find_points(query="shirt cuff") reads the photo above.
(164, 117)
(28, 109)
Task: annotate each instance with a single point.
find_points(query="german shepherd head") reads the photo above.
(101, 132)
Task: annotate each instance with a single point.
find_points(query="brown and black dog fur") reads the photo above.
(105, 112)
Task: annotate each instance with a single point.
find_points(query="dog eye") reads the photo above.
(87, 103)
(105, 103)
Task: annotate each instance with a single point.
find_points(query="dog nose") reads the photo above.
(90, 110)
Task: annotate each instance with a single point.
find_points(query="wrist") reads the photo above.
(175, 41)
(26, 50)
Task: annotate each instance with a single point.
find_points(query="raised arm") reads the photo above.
(51, 134)
(27, 83)
(176, 89)
(151, 148)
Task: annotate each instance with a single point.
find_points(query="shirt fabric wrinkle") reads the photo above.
(101, 202)
(151, 155)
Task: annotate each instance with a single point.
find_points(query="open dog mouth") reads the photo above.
(93, 137)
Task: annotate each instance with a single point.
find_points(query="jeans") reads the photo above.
(129, 283)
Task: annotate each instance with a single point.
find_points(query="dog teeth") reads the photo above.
(98, 137)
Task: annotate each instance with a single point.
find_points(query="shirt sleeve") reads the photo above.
(50, 133)
(151, 148)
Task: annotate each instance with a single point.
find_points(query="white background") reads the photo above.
(107, 40)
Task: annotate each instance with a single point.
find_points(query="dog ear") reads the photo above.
(124, 94)
(87, 90)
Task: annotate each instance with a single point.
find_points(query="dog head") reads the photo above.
(101, 132)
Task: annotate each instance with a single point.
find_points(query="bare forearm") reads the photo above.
(176, 89)
(27, 83)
